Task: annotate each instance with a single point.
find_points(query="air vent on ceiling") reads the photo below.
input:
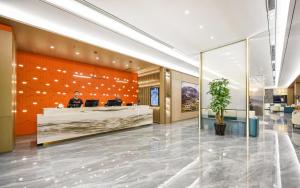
(271, 4)
(273, 66)
(273, 52)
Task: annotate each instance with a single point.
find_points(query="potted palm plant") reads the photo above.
(220, 93)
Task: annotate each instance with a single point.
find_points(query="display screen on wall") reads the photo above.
(189, 97)
(279, 99)
(154, 96)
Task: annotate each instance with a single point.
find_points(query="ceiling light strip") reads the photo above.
(282, 13)
(92, 6)
(297, 72)
(94, 16)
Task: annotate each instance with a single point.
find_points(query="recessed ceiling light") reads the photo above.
(77, 53)
(52, 47)
(186, 12)
(212, 37)
(113, 61)
(200, 26)
(126, 65)
(97, 58)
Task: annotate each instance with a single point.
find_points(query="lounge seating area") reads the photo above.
(275, 107)
(282, 107)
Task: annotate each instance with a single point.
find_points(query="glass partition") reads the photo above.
(260, 72)
(228, 62)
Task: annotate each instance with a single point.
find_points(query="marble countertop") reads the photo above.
(59, 111)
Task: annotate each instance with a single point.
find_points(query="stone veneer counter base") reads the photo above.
(64, 124)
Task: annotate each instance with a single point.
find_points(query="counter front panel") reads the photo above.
(67, 123)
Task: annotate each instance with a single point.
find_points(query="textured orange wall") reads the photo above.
(44, 82)
(5, 27)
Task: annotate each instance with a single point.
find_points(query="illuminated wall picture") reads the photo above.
(189, 97)
(154, 96)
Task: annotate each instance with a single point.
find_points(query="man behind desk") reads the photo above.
(75, 102)
(118, 100)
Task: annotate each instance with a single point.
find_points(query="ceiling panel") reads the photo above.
(188, 25)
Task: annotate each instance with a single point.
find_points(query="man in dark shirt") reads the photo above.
(118, 100)
(75, 102)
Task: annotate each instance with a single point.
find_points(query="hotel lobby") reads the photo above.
(126, 94)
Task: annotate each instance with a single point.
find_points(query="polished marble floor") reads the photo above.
(289, 146)
(281, 122)
(177, 155)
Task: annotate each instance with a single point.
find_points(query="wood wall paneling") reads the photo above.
(290, 96)
(145, 84)
(7, 85)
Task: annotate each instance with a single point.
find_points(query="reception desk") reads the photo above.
(67, 123)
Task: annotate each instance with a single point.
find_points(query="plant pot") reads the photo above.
(220, 129)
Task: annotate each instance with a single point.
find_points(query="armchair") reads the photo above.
(296, 118)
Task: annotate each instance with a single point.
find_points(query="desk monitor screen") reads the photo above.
(91, 103)
(113, 103)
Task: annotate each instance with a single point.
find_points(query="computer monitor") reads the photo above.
(91, 103)
(113, 103)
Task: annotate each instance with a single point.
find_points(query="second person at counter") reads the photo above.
(76, 102)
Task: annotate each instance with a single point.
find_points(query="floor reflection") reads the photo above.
(233, 127)
(281, 122)
(175, 155)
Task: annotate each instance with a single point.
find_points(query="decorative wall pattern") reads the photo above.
(268, 96)
(44, 81)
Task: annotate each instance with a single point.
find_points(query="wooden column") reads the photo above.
(8, 89)
(165, 95)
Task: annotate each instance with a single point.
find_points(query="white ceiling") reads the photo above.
(226, 20)
(166, 20)
(39, 14)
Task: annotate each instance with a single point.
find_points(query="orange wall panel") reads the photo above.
(44, 82)
(5, 28)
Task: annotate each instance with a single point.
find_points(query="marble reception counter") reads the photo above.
(67, 123)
